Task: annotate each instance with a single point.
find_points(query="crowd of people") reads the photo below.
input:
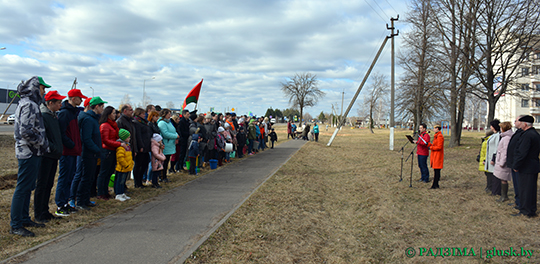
(507, 156)
(95, 146)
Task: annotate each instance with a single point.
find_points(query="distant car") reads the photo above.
(273, 120)
(11, 119)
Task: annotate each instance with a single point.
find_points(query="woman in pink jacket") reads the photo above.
(501, 171)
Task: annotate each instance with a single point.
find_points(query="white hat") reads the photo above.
(220, 129)
(157, 137)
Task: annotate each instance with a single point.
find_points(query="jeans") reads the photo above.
(250, 146)
(515, 176)
(89, 170)
(147, 176)
(120, 182)
(45, 182)
(26, 182)
(68, 166)
(108, 165)
(422, 164)
(76, 180)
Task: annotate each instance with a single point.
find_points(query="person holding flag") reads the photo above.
(423, 152)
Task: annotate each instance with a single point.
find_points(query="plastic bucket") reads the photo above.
(228, 147)
(188, 164)
(213, 164)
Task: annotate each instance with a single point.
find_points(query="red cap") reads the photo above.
(76, 93)
(53, 95)
(87, 101)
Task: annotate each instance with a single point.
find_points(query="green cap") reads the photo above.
(42, 82)
(97, 100)
(123, 134)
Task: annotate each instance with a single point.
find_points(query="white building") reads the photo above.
(525, 98)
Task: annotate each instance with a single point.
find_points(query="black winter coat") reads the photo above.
(512, 148)
(52, 130)
(144, 135)
(527, 151)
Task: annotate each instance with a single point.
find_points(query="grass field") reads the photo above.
(345, 204)
(11, 245)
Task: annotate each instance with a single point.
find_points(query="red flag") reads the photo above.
(193, 95)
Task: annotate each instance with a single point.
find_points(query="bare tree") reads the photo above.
(307, 117)
(302, 91)
(455, 21)
(170, 104)
(421, 95)
(376, 95)
(125, 100)
(508, 31)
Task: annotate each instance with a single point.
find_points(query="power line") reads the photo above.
(391, 6)
(375, 10)
(380, 8)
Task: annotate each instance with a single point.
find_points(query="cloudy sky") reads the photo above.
(242, 49)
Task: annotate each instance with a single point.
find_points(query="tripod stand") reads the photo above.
(412, 162)
(402, 151)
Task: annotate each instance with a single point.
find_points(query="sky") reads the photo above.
(243, 50)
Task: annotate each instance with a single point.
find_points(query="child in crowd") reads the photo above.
(193, 153)
(241, 140)
(273, 137)
(220, 142)
(157, 158)
(124, 165)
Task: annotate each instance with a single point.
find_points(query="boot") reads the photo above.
(504, 193)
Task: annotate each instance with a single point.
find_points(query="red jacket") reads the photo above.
(109, 135)
(437, 151)
(423, 149)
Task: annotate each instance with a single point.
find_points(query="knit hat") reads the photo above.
(123, 134)
(157, 137)
(527, 119)
(220, 129)
(495, 124)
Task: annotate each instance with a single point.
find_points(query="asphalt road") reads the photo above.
(168, 228)
(5, 129)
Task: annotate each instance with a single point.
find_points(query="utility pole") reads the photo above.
(342, 98)
(392, 82)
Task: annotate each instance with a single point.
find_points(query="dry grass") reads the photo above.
(11, 245)
(345, 204)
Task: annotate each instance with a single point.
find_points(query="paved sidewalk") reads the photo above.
(170, 227)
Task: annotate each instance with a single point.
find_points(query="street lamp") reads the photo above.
(92, 91)
(144, 92)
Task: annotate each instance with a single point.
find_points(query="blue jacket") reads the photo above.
(194, 146)
(90, 135)
(168, 132)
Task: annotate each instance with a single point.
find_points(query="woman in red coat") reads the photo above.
(437, 155)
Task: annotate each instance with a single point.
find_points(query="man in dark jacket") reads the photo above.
(30, 144)
(49, 161)
(527, 164)
(126, 122)
(510, 158)
(91, 150)
(72, 147)
(183, 131)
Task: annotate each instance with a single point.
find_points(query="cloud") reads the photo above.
(242, 49)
